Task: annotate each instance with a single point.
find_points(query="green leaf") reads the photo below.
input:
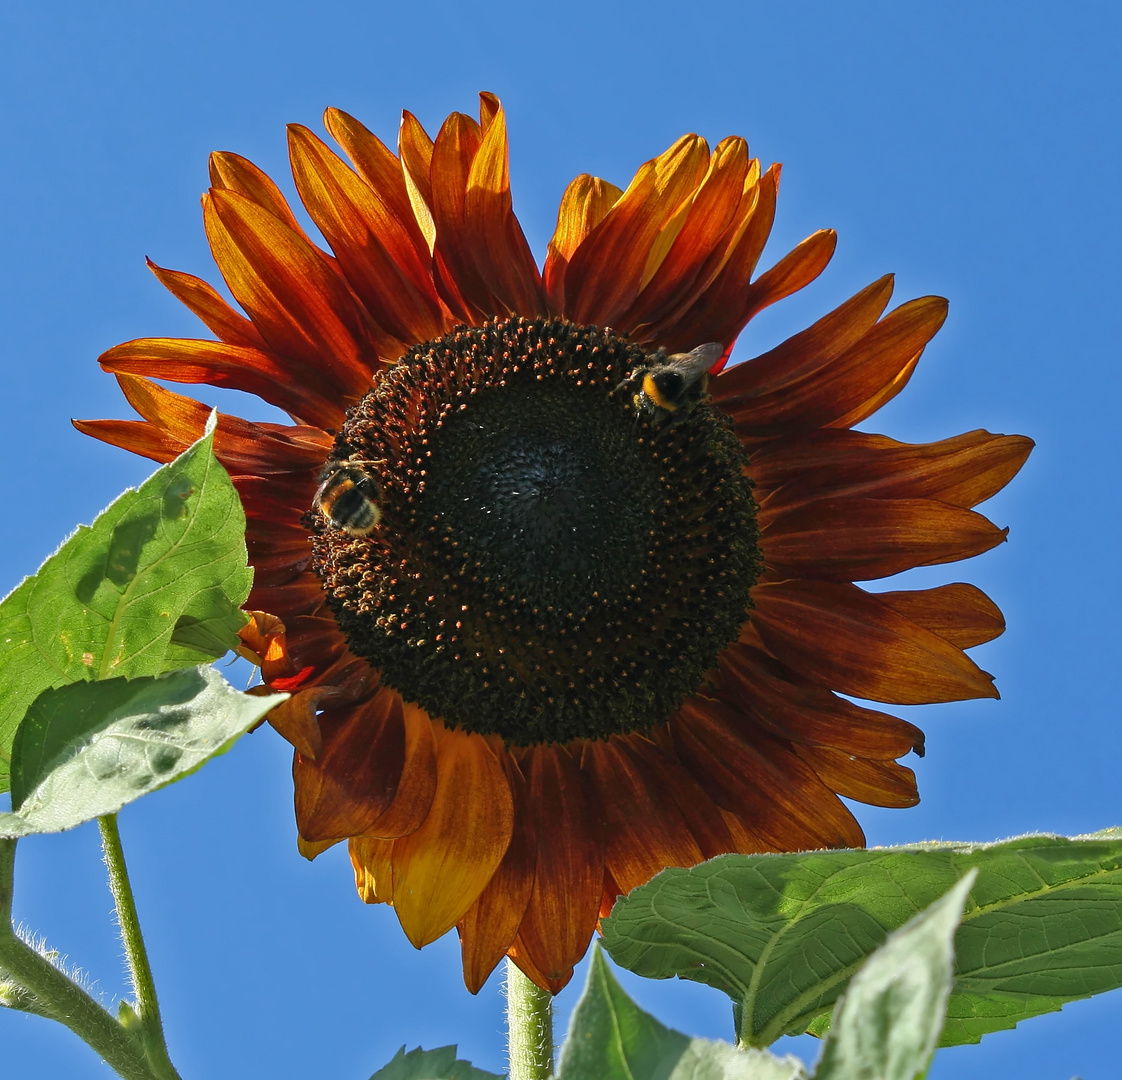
(887, 1024)
(154, 584)
(611, 1038)
(431, 1065)
(782, 934)
(87, 749)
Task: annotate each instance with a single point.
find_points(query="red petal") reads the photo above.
(353, 779)
(501, 254)
(689, 262)
(565, 902)
(488, 930)
(961, 613)
(850, 641)
(644, 833)
(797, 710)
(416, 789)
(963, 471)
(760, 780)
(825, 396)
(877, 783)
(807, 352)
(852, 539)
(382, 170)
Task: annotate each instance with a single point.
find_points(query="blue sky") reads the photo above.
(969, 147)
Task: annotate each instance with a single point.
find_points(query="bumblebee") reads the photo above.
(346, 497)
(669, 388)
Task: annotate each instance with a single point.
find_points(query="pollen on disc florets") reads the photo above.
(550, 565)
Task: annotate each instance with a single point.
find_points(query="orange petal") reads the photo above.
(232, 172)
(490, 927)
(583, 206)
(455, 148)
(372, 862)
(883, 394)
(221, 319)
(804, 354)
(877, 783)
(760, 780)
(242, 447)
(299, 302)
(354, 777)
(384, 258)
(961, 613)
(440, 870)
(854, 539)
(605, 272)
(220, 364)
(726, 307)
(380, 168)
(681, 264)
(263, 635)
(136, 436)
(963, 471)
(502, 256)
(728, 299)
(799, 711)
(311, 850)
(565, 902)
(864, 371)
(415, 148)
(417, 787)
(489, 109)
(644, 833)
(848, 640)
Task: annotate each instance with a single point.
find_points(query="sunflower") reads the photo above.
(591, 636)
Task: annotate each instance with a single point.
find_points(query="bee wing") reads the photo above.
(326, 478)
(697, 361)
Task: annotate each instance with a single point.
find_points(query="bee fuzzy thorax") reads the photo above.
(346, 497)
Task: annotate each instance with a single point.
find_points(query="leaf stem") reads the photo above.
(66, 1002)
(529, 1020)
(140, 971)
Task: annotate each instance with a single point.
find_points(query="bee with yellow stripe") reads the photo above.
(669, 388)
(346, 497)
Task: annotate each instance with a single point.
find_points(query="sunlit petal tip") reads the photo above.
(371, 859)
(313, 849)
(440, 869)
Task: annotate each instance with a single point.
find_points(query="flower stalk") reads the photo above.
(529, 1019)
(60, 997)
(140, 970)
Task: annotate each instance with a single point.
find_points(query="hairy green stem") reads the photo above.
(529, 1026)
(140, 971)
(66, 1002)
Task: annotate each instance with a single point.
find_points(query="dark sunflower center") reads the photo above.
(552, 562)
